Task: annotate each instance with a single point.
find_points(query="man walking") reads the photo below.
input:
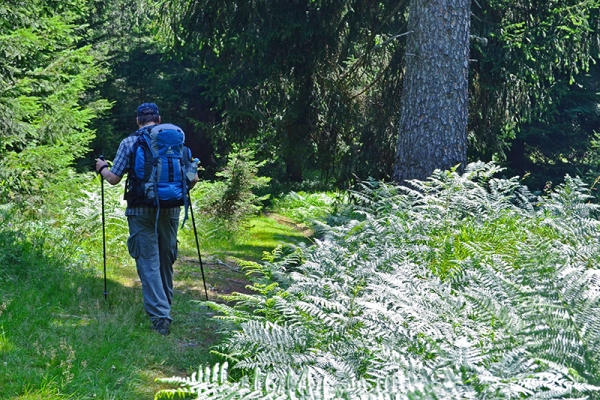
(152, 238)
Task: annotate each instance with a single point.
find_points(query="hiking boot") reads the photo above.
(162, 326)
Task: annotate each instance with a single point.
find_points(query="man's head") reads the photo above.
(147, 113)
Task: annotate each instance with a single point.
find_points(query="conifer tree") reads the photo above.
(44, 74)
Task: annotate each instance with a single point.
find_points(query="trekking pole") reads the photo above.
(198, 247)
(103, 234)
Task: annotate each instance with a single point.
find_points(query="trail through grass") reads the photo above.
(60, 338)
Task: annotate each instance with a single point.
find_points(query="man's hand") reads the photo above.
(102, 169)
(100, 163)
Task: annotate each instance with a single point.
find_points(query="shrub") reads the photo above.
(229, 203)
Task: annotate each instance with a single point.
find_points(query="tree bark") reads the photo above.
(434, 111)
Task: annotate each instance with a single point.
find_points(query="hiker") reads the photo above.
(152, 238)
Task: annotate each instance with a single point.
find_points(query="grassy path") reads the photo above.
(60, 339)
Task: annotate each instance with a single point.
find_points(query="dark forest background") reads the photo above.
(313, 87)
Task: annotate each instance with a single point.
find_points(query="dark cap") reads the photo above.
(147, 109)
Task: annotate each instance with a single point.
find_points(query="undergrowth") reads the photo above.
(460, 286)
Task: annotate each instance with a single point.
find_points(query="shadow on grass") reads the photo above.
(222, 278)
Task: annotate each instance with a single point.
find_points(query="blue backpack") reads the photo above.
(158, 166)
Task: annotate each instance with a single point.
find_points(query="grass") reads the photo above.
(267, 232)
(61, 339)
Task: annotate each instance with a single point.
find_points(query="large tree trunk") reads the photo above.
(433, 122)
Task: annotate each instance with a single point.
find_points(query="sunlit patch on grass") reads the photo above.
(265, 233)
(5, 344)
(67, 320)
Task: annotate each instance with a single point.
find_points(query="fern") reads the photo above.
(461, 286)
(305, 384)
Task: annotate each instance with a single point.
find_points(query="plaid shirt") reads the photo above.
(120, 168)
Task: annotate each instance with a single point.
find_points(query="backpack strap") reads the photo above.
(147, 153)
(187, 160)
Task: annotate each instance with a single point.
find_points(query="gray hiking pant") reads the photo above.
(155, 252)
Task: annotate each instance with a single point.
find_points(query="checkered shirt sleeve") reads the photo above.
(121, 161)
